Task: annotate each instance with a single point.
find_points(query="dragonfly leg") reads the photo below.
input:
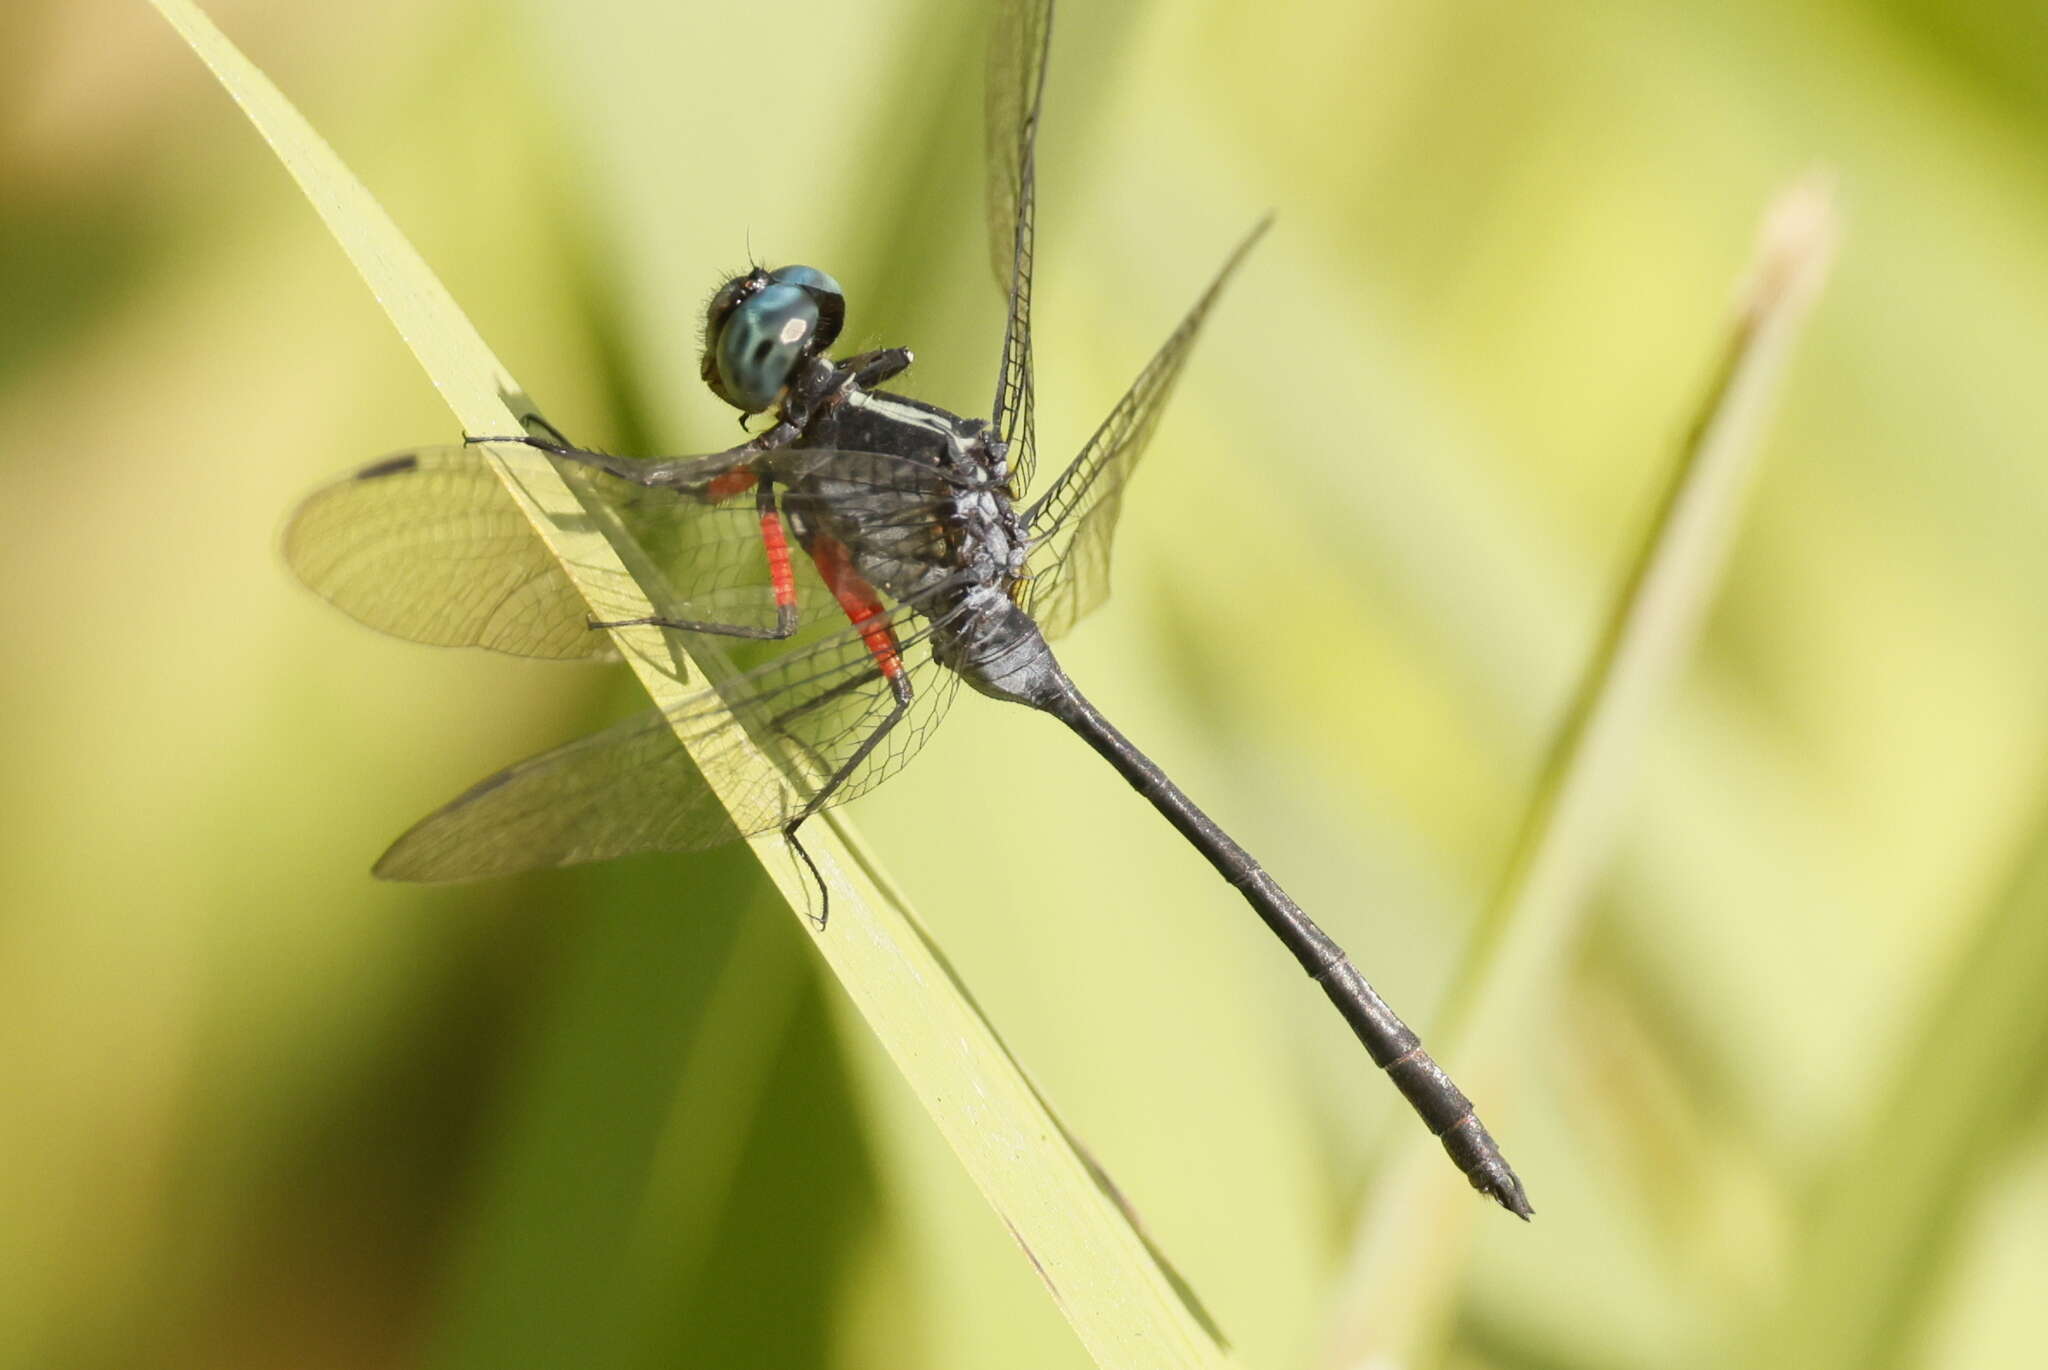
(862, 605)
(824, 913)
(838, 778)
(781, 578)
(532, 417)
(864, 610)
(869, 369)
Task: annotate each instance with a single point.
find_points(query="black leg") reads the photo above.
(839, 778)
(870, 369)
(901, 684)
(824, 913)
(523, 439)
(785, 626)
(533, 419)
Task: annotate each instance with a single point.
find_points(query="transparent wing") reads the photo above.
(427, 545)
(633, 788)
(1016, 81)
(1074, 522)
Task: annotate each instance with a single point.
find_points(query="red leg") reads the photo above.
(864, 610)
(862, 605)
(781, 575)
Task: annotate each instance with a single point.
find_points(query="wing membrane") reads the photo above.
(634, 788)
(1016, 80)
(1074, 522)
(427, 545)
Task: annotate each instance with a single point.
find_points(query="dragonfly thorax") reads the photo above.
(918, 495)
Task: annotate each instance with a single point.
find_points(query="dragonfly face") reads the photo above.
(761, 327)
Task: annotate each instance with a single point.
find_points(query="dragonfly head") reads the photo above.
(761, 327)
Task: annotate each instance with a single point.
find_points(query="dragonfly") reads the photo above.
(875, 549)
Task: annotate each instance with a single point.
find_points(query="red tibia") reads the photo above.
(733, 482)
(863, 606)
(780, 573)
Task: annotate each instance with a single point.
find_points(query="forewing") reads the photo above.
(1016, 81)
(1073, 523)
(427, 545)
(634, 787)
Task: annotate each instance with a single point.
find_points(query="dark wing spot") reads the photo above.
(390, 466)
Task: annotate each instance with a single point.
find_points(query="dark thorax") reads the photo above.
(957, 561)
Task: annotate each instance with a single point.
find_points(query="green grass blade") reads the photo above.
(1117, 1294)
(1410, 1246)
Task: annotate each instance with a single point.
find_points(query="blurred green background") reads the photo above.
(1787, 1107)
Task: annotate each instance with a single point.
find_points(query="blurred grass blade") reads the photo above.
(1118, 1295)
(1896, 1202)
(1408, 1253)
(1661, 1121)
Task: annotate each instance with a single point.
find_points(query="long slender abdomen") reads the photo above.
(1393, 1046)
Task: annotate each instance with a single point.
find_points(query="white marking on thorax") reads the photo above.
(936, 424)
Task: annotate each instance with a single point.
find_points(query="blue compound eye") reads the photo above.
(807, 276)
(763, 326)
(761, 343)
(822, 288)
